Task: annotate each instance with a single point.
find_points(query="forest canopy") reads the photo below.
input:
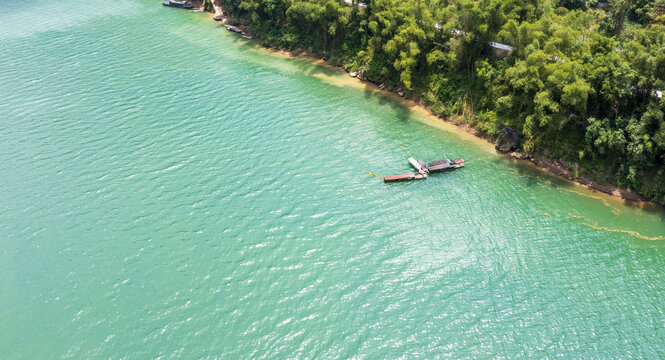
(582, 81)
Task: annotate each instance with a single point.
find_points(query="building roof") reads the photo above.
(500, 46)
(360, 4)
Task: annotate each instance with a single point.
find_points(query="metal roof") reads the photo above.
(360, 4)
(497, 45)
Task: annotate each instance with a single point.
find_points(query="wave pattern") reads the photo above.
(169, 191)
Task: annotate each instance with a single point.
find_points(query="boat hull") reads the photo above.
(443, 165)
(181, 5)
(403, 177)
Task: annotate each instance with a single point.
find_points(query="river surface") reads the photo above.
(170, 190)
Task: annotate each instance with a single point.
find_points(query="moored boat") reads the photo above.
(403, 177)
(418, 165)
(442, 165)
(423, 170)
(179, 4)
(233, 28)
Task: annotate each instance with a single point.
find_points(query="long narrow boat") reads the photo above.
(442, 165)
(403, 177)
(179, 4)
(233, 28)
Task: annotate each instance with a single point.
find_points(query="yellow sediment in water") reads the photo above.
(581, 189)
(602, 199)
(594, 225)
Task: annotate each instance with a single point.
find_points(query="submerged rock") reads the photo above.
(518, 155)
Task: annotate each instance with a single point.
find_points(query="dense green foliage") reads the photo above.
(581, 85)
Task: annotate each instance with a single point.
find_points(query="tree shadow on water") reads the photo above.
(534, 176)
(397, 106)
(311, 67)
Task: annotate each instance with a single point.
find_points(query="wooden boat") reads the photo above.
(423, 170)
(179, 4)
(418, 165)
(233, 28)
(442, 165)
(403, 177)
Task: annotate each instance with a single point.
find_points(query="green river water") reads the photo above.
(170, 190)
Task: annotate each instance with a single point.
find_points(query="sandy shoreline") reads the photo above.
(543, 165)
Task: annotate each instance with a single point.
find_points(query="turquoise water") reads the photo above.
(168, 190)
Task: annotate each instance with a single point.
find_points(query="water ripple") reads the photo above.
(169, 192)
